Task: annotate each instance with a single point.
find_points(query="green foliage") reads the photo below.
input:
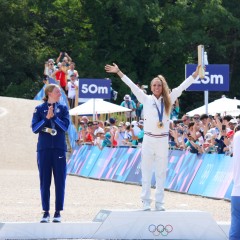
(144, 38)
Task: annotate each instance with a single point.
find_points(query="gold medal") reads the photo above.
(160, 124)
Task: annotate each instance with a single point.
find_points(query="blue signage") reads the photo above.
(94, 88)
(216, 78)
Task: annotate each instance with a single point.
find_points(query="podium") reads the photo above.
(125, 224)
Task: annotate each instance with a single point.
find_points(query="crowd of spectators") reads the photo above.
(63, 71)
(203, 133)
(110, 133)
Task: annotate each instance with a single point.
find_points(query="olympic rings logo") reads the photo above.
(160, 229)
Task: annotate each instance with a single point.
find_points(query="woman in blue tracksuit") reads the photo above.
(51, 120)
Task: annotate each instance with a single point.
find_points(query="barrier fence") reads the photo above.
(208, 175)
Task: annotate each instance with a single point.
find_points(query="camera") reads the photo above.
(238, 106)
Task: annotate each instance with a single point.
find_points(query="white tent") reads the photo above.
(224, 106)
(97, 106)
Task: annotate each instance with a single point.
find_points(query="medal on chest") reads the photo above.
(160, 124)
(160, 114)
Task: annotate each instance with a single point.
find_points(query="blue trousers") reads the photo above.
(52, 161)
(234, 233)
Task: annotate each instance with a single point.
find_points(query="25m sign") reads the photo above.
(94, 88)
(216, 78)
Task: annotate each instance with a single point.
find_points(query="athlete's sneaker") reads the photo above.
(57, 217)
(159, 207)
(45, 218)
(146, 206)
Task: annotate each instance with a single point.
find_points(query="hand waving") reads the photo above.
(112, 68)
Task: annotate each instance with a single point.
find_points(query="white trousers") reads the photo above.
(154, 159)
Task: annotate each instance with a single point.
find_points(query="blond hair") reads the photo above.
(165, 93)
(49, 88)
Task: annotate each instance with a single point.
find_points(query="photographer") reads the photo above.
(64, 57)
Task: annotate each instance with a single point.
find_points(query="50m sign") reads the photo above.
(95, 88)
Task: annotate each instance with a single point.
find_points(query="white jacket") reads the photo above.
(150, 112)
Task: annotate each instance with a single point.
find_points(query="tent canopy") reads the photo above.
(224, 106)
(97, 106)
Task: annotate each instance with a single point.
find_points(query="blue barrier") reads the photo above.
(207, 175)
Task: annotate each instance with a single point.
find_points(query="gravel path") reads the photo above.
(19, 182)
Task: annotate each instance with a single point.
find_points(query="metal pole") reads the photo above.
(206, 92)
(94, 116)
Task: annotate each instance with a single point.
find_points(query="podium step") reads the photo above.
(125, 224)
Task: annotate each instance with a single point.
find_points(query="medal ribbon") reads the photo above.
(160, 114)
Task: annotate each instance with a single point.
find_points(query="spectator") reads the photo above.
(135, 130)
(232, 123)
(175, 110)
(72, 71)
(226, 120)
(228, 140)
(81, 132)
(107, 140)
(96, 128)
(88, 134)
(141, 133)
(205, 123)
(61, 76)
(112, 122)
(209, 144)
(85, 120)
(49, 68)
(64, 57)
(139, 109)
(128, 103)
(99, 138)
(121, 133)
(193, 145)
(72, 88)
(114, 136)
(196, 118)
(186, 119)
(128, 134)
(114, 94)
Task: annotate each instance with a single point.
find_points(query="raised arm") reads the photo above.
(138, 92)
(176, 92)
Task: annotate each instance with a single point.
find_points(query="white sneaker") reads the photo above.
(159, 207)
(45, 218)
(57, 217)
(146, 206)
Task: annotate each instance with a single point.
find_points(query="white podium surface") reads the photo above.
(125, 224)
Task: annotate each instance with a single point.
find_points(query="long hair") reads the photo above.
(49, 88)
(165, 93)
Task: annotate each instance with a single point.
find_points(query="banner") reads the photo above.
(115, 163)
(216, 78)
(207, 175)
(213, 177)
(95, 88)
(182, 168)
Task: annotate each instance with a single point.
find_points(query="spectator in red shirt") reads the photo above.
(61, 76)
